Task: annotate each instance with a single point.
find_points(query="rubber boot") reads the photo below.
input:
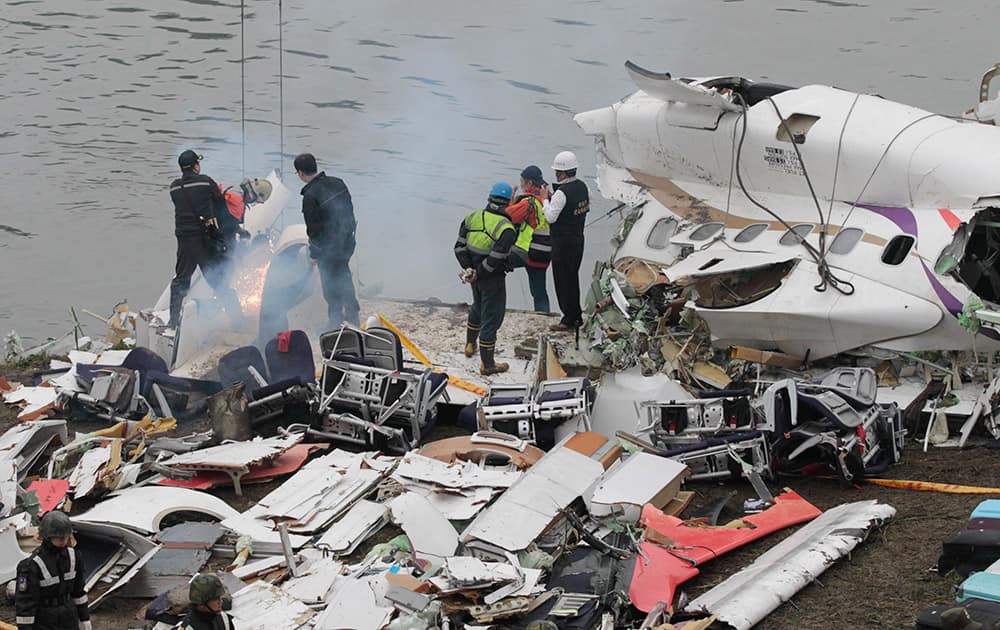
(471, 335)
(489, 366)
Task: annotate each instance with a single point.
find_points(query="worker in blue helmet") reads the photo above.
(484, 241)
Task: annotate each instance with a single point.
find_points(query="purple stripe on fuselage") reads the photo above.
(902, 217)
(950, 301)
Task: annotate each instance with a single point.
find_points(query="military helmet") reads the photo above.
(205, 587)
(55, 524)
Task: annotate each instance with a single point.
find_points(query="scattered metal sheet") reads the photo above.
(23, 443)
(456, 475)
(235, 458)
(195, 535)
(358, 604)
(642, 478)
(361, 521)
(284, 464)
(166, 569)
(431, 536)
(522, 513)
(35, 402)
(262, 606)
(745, 598)
(10, 551)
(317, 574)
(144, 508)
(475, 448)
(455, 505)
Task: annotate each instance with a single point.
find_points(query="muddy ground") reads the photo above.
(881, 585)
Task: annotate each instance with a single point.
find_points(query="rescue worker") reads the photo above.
(330, 224)
(200, 241)
(205, 596)
(533, 248)
(484, 241)
(566, 211)
(49, 591)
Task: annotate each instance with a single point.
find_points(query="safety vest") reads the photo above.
(485, 229)
(534, 240)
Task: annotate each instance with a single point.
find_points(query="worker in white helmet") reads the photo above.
(566, 211)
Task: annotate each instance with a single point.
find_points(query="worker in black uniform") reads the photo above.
(329, 215)
(484, 241)
(566, 211)
(206, 596)
(49, 591)
(200, 226)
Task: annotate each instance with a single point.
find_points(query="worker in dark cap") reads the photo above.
(49, 593)
(206, 596)
(533, 247)
(199, 207)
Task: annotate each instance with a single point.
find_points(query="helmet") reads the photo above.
(55, 524)
(255, 190)
(565, 161)
(188, 159)
(205, 587)
(502, 190)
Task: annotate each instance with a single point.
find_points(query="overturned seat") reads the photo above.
(283, 383)
(531, 412)
(368, 396)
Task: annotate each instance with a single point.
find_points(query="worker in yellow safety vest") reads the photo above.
(483, 245)
(533, 247)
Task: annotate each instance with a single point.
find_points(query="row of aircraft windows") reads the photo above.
(843, 243)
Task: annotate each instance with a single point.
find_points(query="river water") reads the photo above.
(419, 105)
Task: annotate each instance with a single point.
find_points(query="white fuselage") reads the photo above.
(905, 178)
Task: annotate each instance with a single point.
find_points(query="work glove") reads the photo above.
(468, 276)
(85, 625)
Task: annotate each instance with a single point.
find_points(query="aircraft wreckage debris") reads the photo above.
(565, 492)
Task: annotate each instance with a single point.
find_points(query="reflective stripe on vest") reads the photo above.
(485, 228)
(47, 578)
(25, 621)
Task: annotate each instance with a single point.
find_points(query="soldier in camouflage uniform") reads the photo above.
(205, 595)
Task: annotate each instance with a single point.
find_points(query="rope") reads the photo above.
(281, 91)
(827, 277)
(243, 91)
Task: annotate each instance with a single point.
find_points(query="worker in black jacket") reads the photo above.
(207, 595)
(566, 211)
(330, 224)
(198, 211)
(49, 593)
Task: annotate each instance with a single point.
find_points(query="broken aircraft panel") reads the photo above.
(748, 596)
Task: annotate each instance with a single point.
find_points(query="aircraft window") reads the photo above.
(845, 240)
(897, 249)
(659, 236)
(797, 234)
(750, 232)
(706, 231)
